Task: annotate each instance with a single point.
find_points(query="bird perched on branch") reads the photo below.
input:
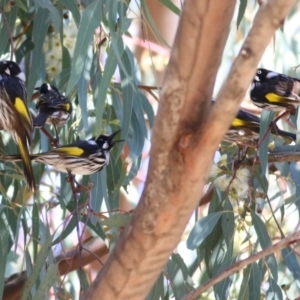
(54, 108)
(244, 130)
(275, 91)
(81, 157)
(14, 114)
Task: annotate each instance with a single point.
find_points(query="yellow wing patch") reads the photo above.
(66, 106)
(73, 151)
(276, 98)
(22, 109)
(241, 123)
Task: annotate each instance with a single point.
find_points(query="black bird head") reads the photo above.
(106, 141)
(10, 68)
(47, 88)
(264, 74)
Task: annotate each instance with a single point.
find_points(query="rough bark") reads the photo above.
(185, 136)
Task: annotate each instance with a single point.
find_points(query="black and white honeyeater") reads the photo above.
(53, 107)
(81, 157)
(14, 114)
(245, 130)
(274, 91)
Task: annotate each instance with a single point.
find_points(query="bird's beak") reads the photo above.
(111, 137)
(111, 142)
(256, 78)
(37, 88)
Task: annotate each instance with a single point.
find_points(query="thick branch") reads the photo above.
(291, 153)
(67, 263)
(184, 141)
(167, 201)
(243, 263)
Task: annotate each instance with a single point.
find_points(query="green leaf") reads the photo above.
(90, 20)
(82, 87)
(254, 282)
(227, 222)
(244, 289)
(178, 277)
(148, 109)
(291, 262)
(171, 6)
(222, 288)
(39, 31)
(47, 282)
(54, 14)
(35, 229)
(266, 118)
(4, 33)
(4, 249)
(119, 220)
(265, 242)
(39, 263)
(24, 49)
(115, 172)
(152, 25)
(139, 114)
(127, 93)
(101, 90)
(97, 228)
(136, 145)
(157, 292)
(97, 193)
(21, 4)
(242, 9)
(202, 229)
(274, 292)
(62, 79)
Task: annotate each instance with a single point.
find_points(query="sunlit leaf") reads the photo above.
(90, 20)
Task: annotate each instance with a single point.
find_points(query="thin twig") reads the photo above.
(243, 263)
(54, 141)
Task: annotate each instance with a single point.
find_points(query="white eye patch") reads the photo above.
(271, 74)
(105, 145)
(22, 76)
(7, 71)
(92, 142)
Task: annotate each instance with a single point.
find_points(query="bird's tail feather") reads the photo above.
(27, 167)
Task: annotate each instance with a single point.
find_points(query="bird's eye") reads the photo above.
(259, 72)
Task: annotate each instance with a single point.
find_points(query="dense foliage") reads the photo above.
(86, 51)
